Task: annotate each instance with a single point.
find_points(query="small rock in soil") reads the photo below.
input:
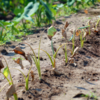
(8, 43)
(4, 52)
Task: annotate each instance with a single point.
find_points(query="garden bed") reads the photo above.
(83, 77)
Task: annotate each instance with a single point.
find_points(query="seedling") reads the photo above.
(36, 61)
(83, 34)
(65, 52)
(19, 61)
(53, 59)
(26, 77)
(7, 72)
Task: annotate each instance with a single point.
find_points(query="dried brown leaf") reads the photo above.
(78, 32)
(74, 53)
(54, 49)
(64, 33)
(29, 58)
(11, 91)
(19, 61)
(66, 25)
(71, 60)
(18, 50)
(32, 75)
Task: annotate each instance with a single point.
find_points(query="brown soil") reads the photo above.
(74, 80)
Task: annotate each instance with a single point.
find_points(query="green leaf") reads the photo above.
(31, 8)
(49, 57)
(28, 11)
(46, 7)
(6, 71)
(15, 29)
(1, 24)
(28, 18)
(26, 84)
(51, 31)
(18, 11)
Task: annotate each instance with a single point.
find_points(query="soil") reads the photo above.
(79, 78)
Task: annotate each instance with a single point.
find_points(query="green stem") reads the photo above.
(12, 30)
(15, 96)
(52, 46)
(27, 79)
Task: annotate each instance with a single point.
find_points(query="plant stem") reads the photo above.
(15, 96)
(52, 46)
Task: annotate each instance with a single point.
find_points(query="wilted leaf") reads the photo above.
(51, 32)
(19, 61)
(11, 91)
(71, 60)
(66, 25)
(78, 32)
(75, 50)
(56, 72)
(1, 65)
(32, 75)
(29, 58)
(86, 11)
(54, 49)
(64, 33)
(6, 71)
(85, 34)
(18, 50)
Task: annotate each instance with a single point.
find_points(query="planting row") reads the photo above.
(82, 32)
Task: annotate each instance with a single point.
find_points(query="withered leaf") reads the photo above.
(29, 58)
(64, 33)
(18, 50)
(75, 50)
(78, 32)
(54, 49)
(85, 34)
(86, 11)
(51, 32)
(66, 25)
(32, 75)
(71, 60)
(11, 91)
(19, 61)
(1, 65)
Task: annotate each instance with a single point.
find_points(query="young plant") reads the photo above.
(65, 51)
(53, 59)
(7, 72)
(51, 33)
(26, 77)
(36, 61)
(83, 35)
(19, 61)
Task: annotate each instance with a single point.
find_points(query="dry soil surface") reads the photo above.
(74, 80)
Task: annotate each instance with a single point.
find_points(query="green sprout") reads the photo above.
(81, 39)
(65, 52)
(36, 61)
(25, 77)
(7, 72)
